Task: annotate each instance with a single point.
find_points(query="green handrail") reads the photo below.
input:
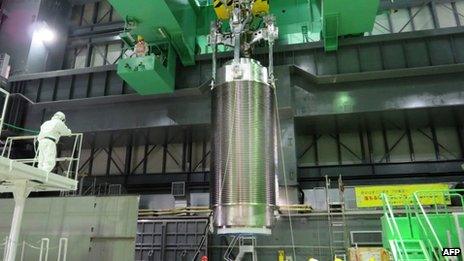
(430, 230)
(21, 129)
(431, 244)
(394, 229)
(428, 227)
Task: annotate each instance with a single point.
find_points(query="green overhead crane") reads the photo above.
(178, 29)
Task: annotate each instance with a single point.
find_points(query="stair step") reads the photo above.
(414, 249)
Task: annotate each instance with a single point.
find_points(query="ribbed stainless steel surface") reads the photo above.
(243, 164)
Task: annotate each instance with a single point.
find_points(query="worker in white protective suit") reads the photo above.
(141, 48)
(50, 133)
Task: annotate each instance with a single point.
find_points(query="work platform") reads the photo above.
(12, 171)
(21, 177)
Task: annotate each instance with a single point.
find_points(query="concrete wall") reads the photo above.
(98, 228)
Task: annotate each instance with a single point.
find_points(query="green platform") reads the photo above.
(147, 75)
(411, 229)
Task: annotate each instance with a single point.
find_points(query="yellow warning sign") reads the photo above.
(398, 195)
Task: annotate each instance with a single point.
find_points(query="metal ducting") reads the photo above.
(243, 162)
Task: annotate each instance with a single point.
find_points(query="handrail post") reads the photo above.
(44, 243)
(396, 231)
(428, 229)
(63, 242)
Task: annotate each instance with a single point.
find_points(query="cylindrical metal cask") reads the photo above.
(243, 162)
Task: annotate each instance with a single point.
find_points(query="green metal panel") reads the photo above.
(148, 75)
(297, 20)
(410, 229)
(162, 21)
(346, 17)
(404, 227)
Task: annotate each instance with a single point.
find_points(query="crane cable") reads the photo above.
(276, 106)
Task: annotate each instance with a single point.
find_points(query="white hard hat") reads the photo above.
(60, 116)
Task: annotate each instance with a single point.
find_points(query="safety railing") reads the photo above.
(6, 96)
(44, 249)
(63, 249)
(3, 246)
(440, 198)
(74, 146)
(431, 238)
(397, 246)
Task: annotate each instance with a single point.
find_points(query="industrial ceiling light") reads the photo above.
(44, 33)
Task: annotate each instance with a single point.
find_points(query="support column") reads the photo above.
(288, 184)
(20, 193)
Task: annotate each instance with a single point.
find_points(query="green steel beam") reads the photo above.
(346, 17)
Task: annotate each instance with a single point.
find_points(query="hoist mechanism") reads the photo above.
(223, 8)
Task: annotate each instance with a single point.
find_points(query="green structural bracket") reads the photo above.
(346, 17)
(149, 75)
(161, 21)
(330, 32)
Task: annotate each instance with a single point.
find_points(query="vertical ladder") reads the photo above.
(337, 222)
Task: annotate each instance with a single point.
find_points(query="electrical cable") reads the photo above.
(231, 130)
(19, 128)
(203, 239)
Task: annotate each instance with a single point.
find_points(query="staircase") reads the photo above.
(246, 246)
(423, 231)
(414, 250)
